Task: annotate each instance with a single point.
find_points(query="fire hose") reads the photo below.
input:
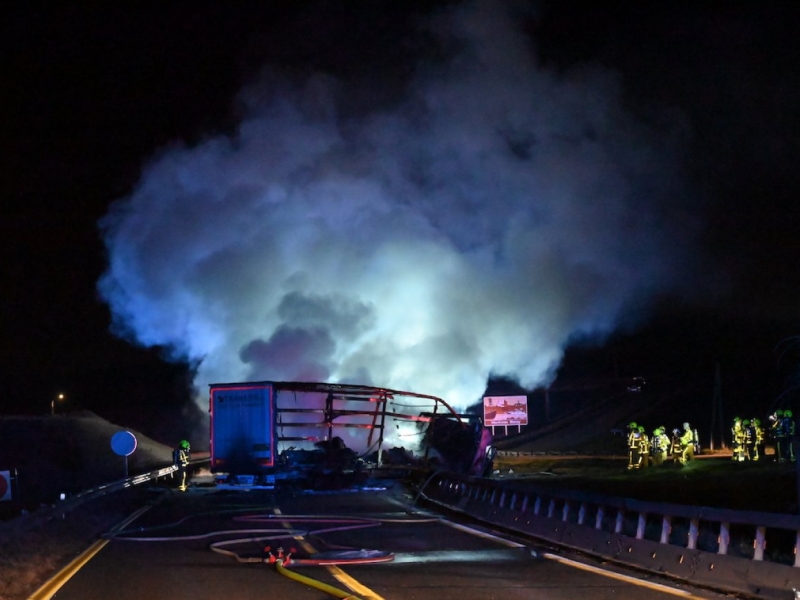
(281, 560)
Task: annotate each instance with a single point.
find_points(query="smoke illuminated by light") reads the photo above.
(473, 227)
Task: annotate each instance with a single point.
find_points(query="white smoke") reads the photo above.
(489, 215)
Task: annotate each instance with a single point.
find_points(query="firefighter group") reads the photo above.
(748, 437)
(655, 450)
(748, 440)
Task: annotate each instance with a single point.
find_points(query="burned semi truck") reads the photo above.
(326, 435)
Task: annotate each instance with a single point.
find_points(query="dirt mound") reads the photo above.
(68, 453)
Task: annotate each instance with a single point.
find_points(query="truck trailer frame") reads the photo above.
(265, 431)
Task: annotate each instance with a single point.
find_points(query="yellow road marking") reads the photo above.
(341, 576)
(57, 581)
(353, 584)
(627, 578)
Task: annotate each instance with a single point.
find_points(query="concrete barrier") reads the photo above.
(744, 552)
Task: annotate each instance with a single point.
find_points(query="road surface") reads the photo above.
(209, 544)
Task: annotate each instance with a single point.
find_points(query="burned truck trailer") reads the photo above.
(292, 430)
(242, 427)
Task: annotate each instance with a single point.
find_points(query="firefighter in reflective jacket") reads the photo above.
(634, 446)
(758, 446)
(659, 446)
(686, 440)
(737, 437)
(749, 439)
(644, 448)
(180, 458)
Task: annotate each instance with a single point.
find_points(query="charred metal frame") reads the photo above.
(379, 397)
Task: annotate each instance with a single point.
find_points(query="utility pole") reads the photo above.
(717, 420)
(547, 405)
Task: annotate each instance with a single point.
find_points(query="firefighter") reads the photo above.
(788, 428)
(687, 443)
(737, 439)
(758, 446)
(749, 439)
(778, 433)
(634, 447)
(659, 446)
(180, 458)
(633, 432)
(644, 448)
(675, 445)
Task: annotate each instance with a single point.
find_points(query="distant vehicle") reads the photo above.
(330, 435)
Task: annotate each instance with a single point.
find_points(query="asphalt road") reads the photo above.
(210, 544)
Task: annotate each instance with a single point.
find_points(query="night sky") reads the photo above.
(93, 95)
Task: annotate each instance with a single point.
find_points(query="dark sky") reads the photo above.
(91, 94)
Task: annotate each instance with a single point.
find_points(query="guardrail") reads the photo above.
(64, 506)
(744, 552)
(73, 502)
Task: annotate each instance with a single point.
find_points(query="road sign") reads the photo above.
(499, 411)
(123, 443)
(5, 485)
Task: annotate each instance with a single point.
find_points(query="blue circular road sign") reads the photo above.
(123, 443)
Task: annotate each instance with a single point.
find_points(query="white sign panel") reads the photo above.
(500, 411)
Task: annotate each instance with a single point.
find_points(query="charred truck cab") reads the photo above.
(328, 436)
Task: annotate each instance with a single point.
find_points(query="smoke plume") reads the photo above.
(471, 226)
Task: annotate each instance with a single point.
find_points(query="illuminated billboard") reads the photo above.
(501, 411)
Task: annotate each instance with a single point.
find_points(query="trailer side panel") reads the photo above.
(242, 427)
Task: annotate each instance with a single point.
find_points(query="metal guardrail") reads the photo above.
(556, 453)
(73, 502)
(722, 548)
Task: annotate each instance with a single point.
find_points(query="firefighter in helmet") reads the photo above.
(633, 445)
(644, 448)
(686, 440)
(778, 431)
(788, 428)
(749, 439)
(659, 446)
(737, 438)
(758, 446)
(180, 458)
